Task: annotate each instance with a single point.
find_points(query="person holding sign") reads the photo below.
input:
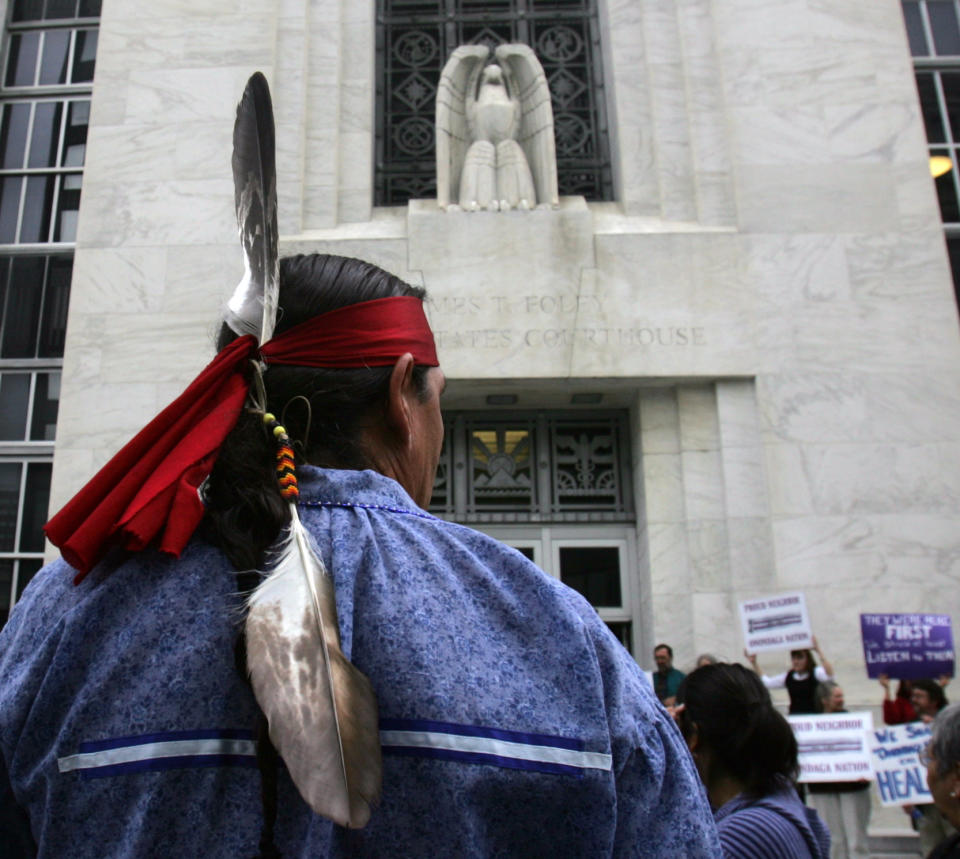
(746, 754)
(801, 680)
(942, 758)
(844, 805)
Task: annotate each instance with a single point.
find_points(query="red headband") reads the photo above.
(150, 487)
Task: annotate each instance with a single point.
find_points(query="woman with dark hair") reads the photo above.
(511, 721)
(801, 680)
(746, 755)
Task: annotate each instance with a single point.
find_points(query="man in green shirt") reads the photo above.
(666, 679)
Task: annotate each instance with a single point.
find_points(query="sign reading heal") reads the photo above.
(907, 646)
(834, 746)
(776, 623)
(901, 778)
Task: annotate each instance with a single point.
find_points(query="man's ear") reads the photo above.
(402, 387)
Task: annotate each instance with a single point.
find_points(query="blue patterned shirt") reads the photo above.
(512, 722)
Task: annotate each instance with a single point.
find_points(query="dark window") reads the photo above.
(34, 293)
(414, 41)
(51, 10)
(594, 571)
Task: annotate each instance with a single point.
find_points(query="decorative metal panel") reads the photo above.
(415, 39)
(536, 467)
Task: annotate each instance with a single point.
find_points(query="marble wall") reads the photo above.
(770, 288)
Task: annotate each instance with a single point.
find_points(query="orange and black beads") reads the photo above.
(286, 472)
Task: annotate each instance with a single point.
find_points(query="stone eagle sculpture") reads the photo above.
(495, 143)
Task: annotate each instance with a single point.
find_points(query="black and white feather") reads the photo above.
(321, 711)
(253, 307)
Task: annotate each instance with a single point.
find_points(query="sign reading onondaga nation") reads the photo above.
(834, 746)
(907, 646)
(776, 623)
(901, 778)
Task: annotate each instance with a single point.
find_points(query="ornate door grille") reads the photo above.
(534, 467)
(414, 40)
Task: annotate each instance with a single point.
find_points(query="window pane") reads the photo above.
(89, 9)
(36, 500)
(621, 631)
(6, 578)
(9, 208)
(951, 95)
(501, 467)
(68, 206)
(46, 399)
(22, 311)
(35, 226)
(13, 134)
(943, 25)
(22, 62)
(953, 250)
(56, 298)
(61, 9)
(947, 191)
(56, 46)
(594, 571)
(75, 142)
(84, 56)
(932, 120)
(28, 10)
(27, 569)
(45, 139)
(9, 503)
(14, 399)
(918, 41)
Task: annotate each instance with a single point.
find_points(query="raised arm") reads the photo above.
(884, 681)
(826, 663)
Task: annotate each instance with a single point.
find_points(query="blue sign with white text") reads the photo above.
(907, 646)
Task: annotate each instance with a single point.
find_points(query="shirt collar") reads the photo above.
(347, 487)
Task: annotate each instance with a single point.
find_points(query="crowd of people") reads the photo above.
(720, 735)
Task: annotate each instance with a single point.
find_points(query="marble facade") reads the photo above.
(769, 295)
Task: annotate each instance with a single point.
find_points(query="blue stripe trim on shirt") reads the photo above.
(165, 736)
(484, 745)
(478, 758)
(480, 731)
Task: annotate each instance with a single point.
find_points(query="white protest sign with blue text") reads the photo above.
(834, 746)
(901, 778)
(777, 622)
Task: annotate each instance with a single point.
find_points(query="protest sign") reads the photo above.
(775, 623)
(907, 646)
(834, 746)
(901, 778)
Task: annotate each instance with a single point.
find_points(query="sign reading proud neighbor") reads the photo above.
(907, 646)
(901, 778)
(834, 746)
(776, 623)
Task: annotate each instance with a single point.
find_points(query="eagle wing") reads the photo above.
(456, 94)
(528, 84)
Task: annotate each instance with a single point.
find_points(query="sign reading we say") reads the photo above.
(907, 646)
(776, 623)
(901, 778)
